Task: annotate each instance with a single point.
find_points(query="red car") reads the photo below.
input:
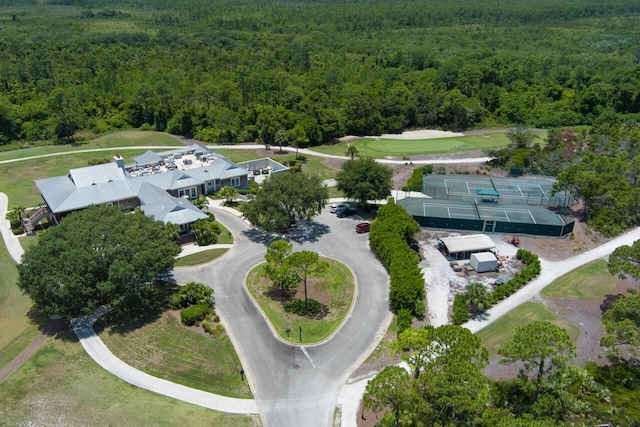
(363, 227)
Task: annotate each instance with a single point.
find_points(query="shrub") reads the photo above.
(403, 320)
(460, 311)
(206, 231)
(312, 308)
(191, 315)
(213, 330)
(191, 294)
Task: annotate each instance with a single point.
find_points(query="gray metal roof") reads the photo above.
(147, 158)
(107, 183)
(98, 174)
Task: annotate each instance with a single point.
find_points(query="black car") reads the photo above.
(343, 212)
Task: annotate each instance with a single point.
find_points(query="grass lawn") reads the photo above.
(225, 237)
(26, 241)
(200, 257)
(334, 288)
(384, 347)
(378, 148)
(16, 329)
(502, 330)
(62, 385)
(591, 281)
(118, 139)
(16, 179)
(163, 347)
(238, 155)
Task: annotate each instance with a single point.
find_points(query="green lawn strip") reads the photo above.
(337, 282)
(200, 257)
(384, 347)
(16, 330)
(502, 330)
(225, 237)
(164, 348)
(238, 155)
(16, 179)
(334, 193)
(119, 139)
(378, 148)
(61, 385)
(591, 281)
(26, 241)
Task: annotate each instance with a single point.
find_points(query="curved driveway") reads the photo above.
(294, 385)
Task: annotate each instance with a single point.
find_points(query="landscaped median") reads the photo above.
(333, 289)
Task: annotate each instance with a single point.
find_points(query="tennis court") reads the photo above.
(493, 216)
(514, 191)
(485, 213)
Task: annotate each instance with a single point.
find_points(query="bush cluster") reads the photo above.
(206, 231)
(389, 238)
(529, 272)
(215, 330)
(194, 314)
(311, 309)
(415, 181)
(191, 294)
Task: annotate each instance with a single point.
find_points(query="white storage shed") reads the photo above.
(483, 262)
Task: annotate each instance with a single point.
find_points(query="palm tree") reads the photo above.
(477, 298)
(352, 151)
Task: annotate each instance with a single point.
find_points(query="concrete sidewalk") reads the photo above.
(95, 348)
(10, 240)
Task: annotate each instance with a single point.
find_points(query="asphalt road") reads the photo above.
(294, 385)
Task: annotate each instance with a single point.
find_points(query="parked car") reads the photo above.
(335, 206)
(363, 227)
(344, 212)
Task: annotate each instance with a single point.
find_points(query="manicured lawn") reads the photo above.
(119, 139)
(16, 329)
(200, 257)
(225, 237)
(591, 281)
(16, 179)
(163, 347)
(379, 148)
(502, 330)
(334, 193)
(62, 385)
(337, 285)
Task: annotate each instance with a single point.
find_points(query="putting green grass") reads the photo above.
(62, 385)
(591, 281)
(337, 283)
(164, 348)
(16, 329)
(502, 330)
(200, 257)
(118, 139)
(380, 148)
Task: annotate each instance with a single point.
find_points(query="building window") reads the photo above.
(209, 183)
(194, 193)
(235, 182)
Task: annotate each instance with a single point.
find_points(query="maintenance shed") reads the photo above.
(461, 247)
(483, 262)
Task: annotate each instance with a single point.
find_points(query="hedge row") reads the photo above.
(415, 181)
(529, 272)
(389, 238)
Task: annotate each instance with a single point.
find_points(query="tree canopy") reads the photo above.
(97, 256)
(364, 179)
(283, 197)
(625, 261)
(622, 322)
(542, 347)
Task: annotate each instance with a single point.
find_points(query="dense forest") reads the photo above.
(232, 71)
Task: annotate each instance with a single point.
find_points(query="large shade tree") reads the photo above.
(97, 256)
(543, 347)
(364, 179)
(286, 196)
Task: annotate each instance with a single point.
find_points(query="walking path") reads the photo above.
(10, 240)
